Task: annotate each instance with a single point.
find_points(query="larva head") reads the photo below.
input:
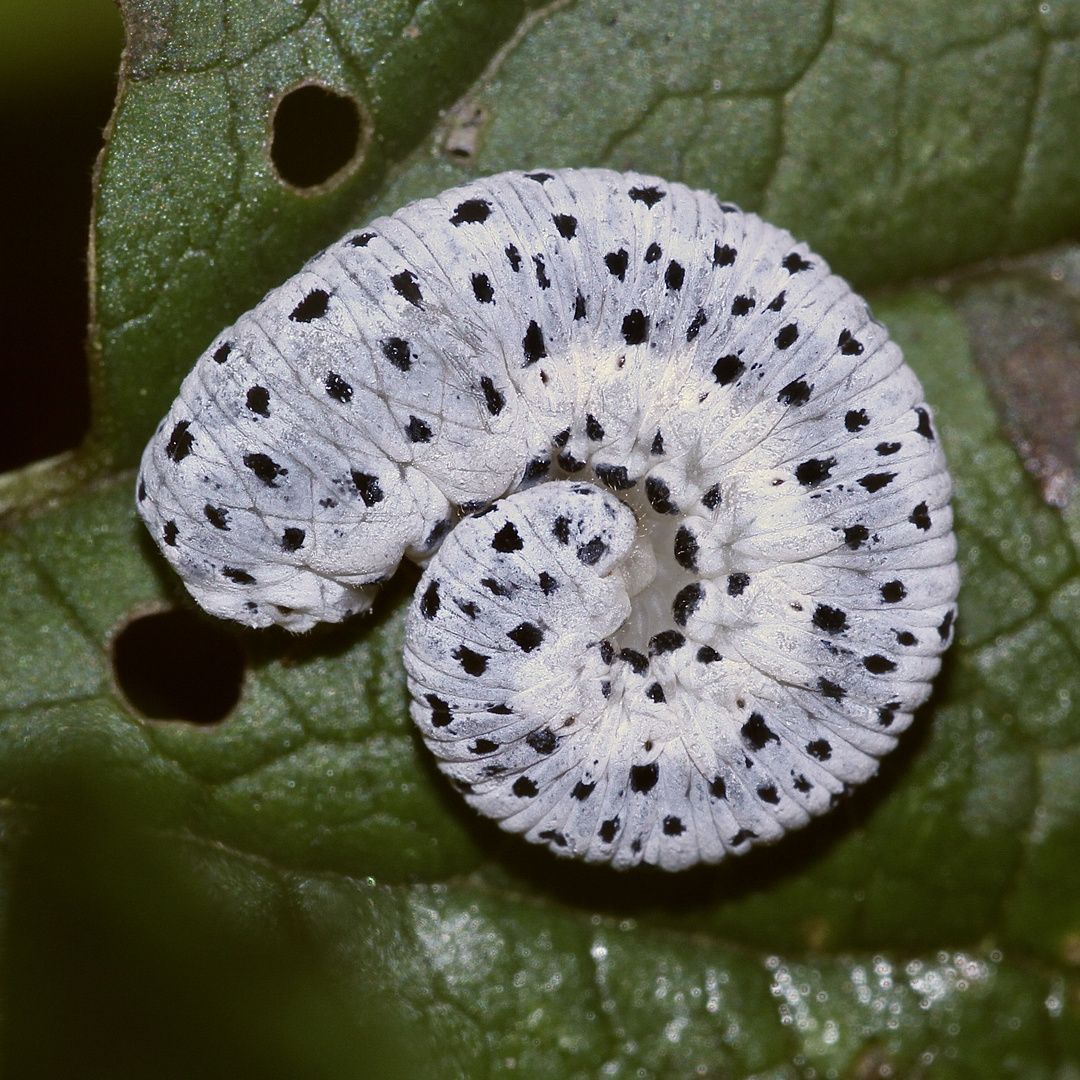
(700, 566)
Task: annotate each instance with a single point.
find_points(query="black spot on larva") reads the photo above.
(906, 638)
(483, 746)
(643, 777)
(820, 749)
(635, 327)
(566, 224)
(639, 662)
(417, 431)
(553, 836)
(830, 619)
(579, 307)
(582, 790)
(524, 788)
(592, 552)
(653, 253)
(441, 716)
(312, 307)
(507, 539)
(674, 276)
(717, 788)
(736, 584)
(657, 447)
(787, 336)
(666, 641)
(482, 290)
(796, 392)
(438, 531)
(768, 794)
(361, 239)
(658, 494)
(397, 351)
(543, 741)
(608, 829)
(570, 463)
(593, 428)
(673, 826)
(526, 636)
(560, 529)
(727, 369)
(801, 784)
(698, 321)
(711, 499)
(848, 345)
(892, 592)
(462, 785)
(708, 655)
(686, 548)
(538, 177)
(886, 716)
(541, 272)
(920, 517)
(472, 663)
(468, 608)
(777, 302)
(655, 692)
(924, 429)
(258, 400)
(607, 651)
(723, 254)
(265, 468)
(429, 602)
(292, 539)
(142, 489)
(492, 398)
(741, 837)
(945, 628)
(536, 468)
(885, 449)
(878, 664)
(513, 256)
(169, 533)
(876, 481)
(547, 583)
(338, 388)
(855, 536)
(617, 262)
(180, 441)
(794, 263)
(742, 305)
(496, 588)
(614, 477)
(218, 516)
(367, 486)
(471, 212)
(502, 709)
(406, 287)
(856, 420)
(757, 733)
(814, 471)
(221, 353)
(532, 343)
(831, 690)
(686, 602)
(650, 196)
(241, 577)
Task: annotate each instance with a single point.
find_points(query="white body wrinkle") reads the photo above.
(690, 561)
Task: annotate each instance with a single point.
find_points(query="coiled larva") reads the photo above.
(686, 518)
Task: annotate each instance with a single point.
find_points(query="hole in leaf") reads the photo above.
(176, 665)
(317, 134)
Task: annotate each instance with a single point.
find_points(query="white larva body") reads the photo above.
(691, 562)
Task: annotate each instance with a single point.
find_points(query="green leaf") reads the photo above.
(930, 926)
